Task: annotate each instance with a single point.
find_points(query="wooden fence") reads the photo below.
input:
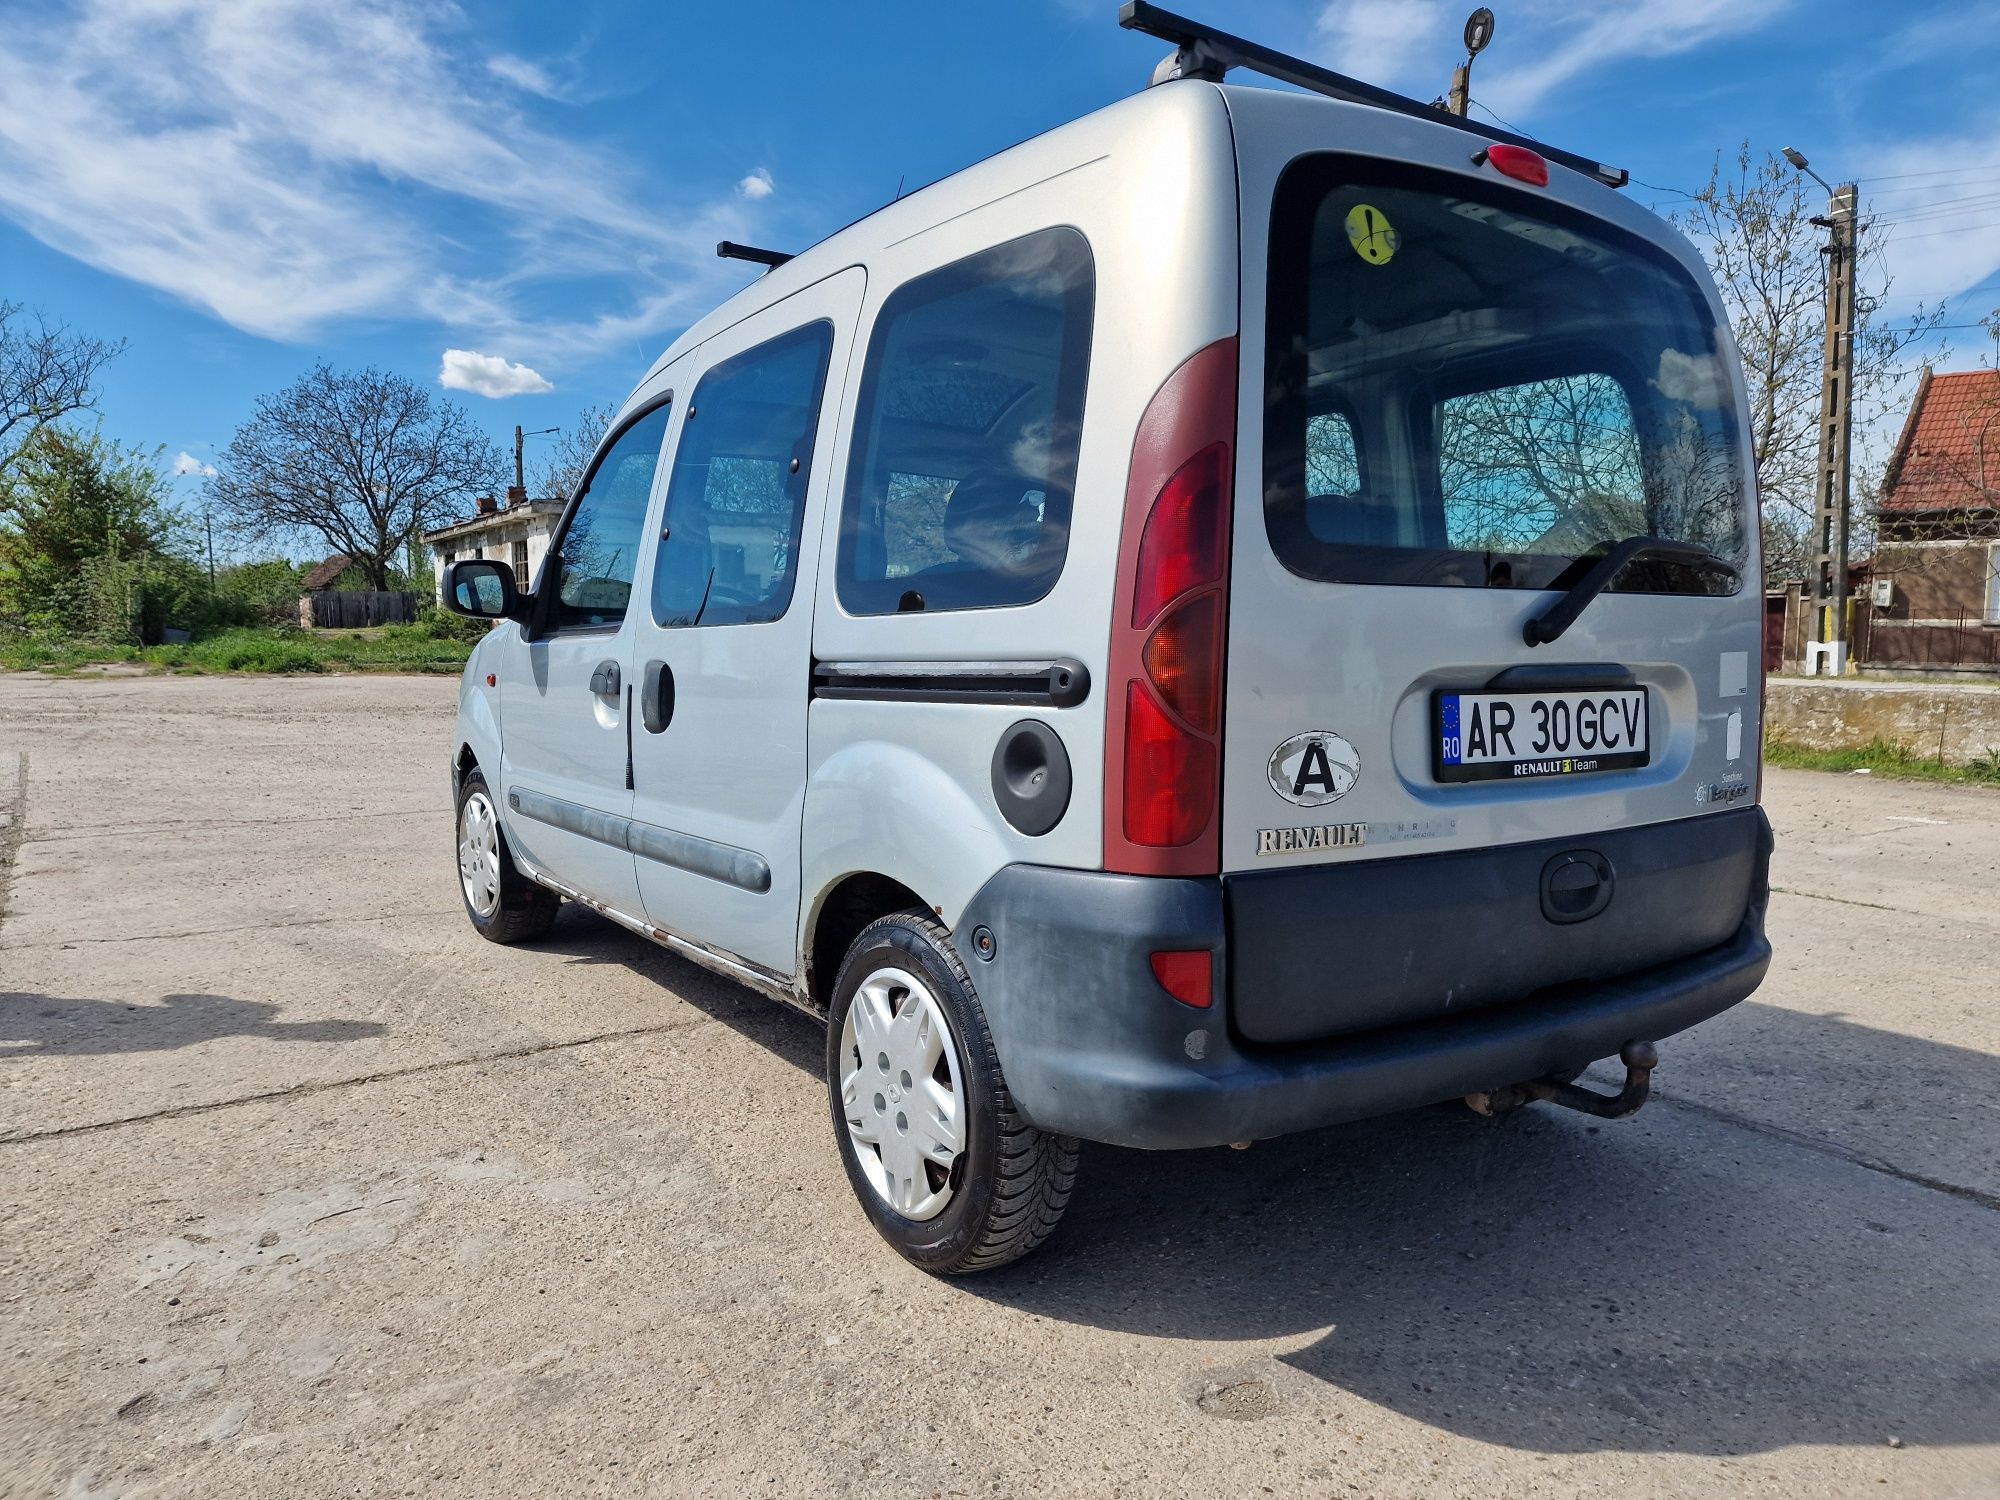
(352, 609)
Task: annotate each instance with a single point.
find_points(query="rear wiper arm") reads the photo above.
(1558, 617)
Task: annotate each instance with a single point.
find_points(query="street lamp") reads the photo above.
(1798, 159)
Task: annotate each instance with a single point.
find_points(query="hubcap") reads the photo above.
(479, 854)
(901, 1092)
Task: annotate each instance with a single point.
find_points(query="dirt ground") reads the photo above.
(306, 1191)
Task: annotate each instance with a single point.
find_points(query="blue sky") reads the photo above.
(243, 187)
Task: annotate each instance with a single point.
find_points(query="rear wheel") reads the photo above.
(944, 1167)
(504, 905)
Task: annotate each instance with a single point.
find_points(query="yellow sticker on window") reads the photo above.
(1373, 237)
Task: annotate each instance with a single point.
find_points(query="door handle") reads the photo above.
(656, 696)
(605, 680)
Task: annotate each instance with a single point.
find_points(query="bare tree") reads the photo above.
(1754, 223)
(560, 468)
(364, 460)
(47, 371)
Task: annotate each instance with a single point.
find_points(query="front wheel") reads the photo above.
(944, 1167)
(505, 906)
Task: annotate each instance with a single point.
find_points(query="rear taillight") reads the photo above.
(1188, 974)
(1163, 743)
(1517, 162)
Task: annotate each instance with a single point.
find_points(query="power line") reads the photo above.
(1504, 125)
(1938, 172)
(1954, 229)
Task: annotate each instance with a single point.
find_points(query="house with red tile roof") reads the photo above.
(1938, 537)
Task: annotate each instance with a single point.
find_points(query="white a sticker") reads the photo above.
(1733, 746)
(1314, 768)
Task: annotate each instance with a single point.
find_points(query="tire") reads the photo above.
(519, 910)
(1006, 1184)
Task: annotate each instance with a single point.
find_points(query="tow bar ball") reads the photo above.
(1640, 1058)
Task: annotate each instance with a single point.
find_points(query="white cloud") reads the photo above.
(1566, 39)
(286, 165)
(529, 77)
(1697, 379)
(1390, 42)
(757, 185)
(185, 463)
(488, 375)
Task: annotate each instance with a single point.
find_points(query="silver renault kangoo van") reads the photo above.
(1237, 614)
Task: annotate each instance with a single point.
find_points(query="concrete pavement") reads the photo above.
(305, 1190)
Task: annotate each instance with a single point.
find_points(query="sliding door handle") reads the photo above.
(605, 681)
(656, 696)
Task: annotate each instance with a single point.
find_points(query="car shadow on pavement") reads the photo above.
(35, 1025)
(1673, 1283)
(1676, 1283)
(584, 937)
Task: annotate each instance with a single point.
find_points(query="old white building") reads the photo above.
(516, 533)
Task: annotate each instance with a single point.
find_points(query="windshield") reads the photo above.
(1469, 386)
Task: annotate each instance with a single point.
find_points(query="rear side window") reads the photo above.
(595, 560)
(966, 429)
(729, 549)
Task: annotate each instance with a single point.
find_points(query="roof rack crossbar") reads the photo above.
(730, 250)
(1207, 53)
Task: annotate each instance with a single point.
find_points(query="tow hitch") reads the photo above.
(1640, 1058)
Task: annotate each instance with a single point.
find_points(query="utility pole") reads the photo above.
(1478, 32)
(520, 489)
(208, 527)
(1826, 653)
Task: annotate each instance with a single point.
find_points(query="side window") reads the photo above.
(594, 561)
(966, 430)
(1548, 464)
(736, 497)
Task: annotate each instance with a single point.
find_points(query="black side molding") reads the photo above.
(743, 868)
(1063, 683)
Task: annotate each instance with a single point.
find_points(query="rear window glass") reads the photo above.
(1467, 385)
(966, 430)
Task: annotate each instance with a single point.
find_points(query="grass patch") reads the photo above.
(1885, 758)
(390, 648)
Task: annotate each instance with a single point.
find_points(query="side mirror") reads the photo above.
(483, 590)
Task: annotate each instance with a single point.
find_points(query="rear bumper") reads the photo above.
(1093, 1047)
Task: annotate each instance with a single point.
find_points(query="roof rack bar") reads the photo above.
(730, 250)
(1208, 53)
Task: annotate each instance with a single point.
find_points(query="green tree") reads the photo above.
(73, 506)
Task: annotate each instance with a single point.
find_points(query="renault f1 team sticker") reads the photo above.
(1314, 768)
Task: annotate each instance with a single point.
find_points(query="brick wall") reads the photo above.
(1936, 580)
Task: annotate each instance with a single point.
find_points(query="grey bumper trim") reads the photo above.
(1093, 1047)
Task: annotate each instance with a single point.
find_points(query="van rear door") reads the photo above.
(1481, 408)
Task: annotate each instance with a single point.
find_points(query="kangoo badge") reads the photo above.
(1314, 768)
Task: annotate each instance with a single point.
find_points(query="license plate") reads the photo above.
(1528, 736)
